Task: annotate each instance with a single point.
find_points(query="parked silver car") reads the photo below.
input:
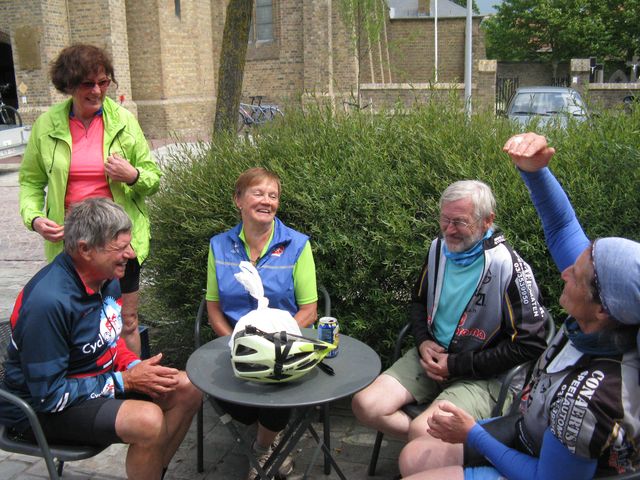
(547, 104)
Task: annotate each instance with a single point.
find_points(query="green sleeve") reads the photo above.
(304, 277)
(148, 180)
(32, 180)
(212, 280)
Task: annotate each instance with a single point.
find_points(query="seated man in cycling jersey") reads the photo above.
(67, 360)
(475, 313)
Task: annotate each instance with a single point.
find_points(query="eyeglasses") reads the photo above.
(103, 84)
(446, 221)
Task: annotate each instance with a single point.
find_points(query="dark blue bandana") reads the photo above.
(604, 342)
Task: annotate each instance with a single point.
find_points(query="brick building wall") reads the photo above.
(161, 58)
(410, 46)
(37, 30)
(312, 54)
(275, 69)
(172, 67)
(166, 60)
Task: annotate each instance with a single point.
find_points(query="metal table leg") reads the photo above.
(327, 436)
(290, 439)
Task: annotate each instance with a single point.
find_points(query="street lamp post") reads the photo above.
(468, 59)
(435, 29)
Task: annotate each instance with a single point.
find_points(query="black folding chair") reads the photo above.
(54, 455)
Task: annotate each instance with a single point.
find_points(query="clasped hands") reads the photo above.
(433, 360)
(151, 378)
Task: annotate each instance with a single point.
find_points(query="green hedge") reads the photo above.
(365, 188)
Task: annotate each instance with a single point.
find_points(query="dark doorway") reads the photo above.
(7, 75)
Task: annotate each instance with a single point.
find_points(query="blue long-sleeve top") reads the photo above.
(516, 465)
(565, 237)
(566, 240)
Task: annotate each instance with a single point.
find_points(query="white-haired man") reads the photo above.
(475, 314)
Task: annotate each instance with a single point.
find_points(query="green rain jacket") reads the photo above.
(46, 162)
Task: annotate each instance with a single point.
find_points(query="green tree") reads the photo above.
(232, 58)
(558, 30)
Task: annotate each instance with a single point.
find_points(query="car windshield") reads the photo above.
(546, 103)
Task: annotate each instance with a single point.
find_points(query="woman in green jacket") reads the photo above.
(89, 146)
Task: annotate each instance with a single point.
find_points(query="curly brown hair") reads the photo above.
(75, 63)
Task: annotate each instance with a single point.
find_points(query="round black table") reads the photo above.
(355, 366)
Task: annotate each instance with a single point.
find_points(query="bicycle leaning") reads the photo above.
(8, 115)
(256, 113)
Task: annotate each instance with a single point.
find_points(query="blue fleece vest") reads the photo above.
(275, 269)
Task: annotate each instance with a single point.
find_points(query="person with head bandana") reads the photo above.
(581, 408)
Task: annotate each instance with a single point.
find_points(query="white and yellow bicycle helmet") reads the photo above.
(275, 357)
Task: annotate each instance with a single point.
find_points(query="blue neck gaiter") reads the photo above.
(468, 256)
(604, 342)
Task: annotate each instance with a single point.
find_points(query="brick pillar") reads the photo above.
(579, 72)
(172, 65)
(37, 30)
(485, 91)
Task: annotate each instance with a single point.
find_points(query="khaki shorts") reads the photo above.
(477, 397)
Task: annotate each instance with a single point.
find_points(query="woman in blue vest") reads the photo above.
(284, 261)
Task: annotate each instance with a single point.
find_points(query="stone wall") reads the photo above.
(532, 74)
(403, 95)
(597, 95)
(609, 95)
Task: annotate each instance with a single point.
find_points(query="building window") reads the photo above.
(262, 22)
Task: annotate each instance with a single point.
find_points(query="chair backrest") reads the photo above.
(5, 338)
(518, 377)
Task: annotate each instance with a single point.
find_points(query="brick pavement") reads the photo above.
(21, 251)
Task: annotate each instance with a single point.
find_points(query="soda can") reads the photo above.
(328, 331)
